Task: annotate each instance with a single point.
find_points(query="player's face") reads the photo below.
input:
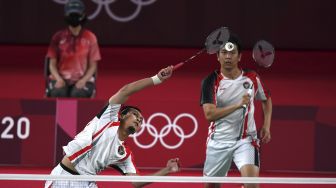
(229, 59)
(133, 121)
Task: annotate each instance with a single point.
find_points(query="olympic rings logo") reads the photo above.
(168, 128)
(106, 5)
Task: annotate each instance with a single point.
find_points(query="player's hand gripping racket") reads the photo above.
(263, 53)
(213, 43)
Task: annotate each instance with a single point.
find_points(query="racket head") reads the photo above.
(216, 39)
(263, 53)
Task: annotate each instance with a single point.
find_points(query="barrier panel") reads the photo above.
(33, 132)
(27, 132)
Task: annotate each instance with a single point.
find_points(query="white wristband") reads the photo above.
(156, 80)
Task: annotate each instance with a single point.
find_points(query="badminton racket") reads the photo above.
(214, 41)
(263, 53)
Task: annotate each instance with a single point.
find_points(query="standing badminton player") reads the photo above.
(102, 142)
(227, 98)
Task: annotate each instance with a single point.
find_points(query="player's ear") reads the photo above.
(122, 112)
(121, 116)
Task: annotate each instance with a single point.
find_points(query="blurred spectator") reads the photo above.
(73, 55)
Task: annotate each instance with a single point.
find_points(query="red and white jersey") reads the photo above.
(98, 146)
(222, 91)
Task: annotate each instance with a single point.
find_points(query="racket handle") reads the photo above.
(249, 92)
(178, 65)
(175, 67)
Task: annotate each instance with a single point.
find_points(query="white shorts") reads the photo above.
(219, 156)
(58, 170)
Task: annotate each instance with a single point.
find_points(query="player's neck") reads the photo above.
(231, 73)
(75, 30)
(122, 134)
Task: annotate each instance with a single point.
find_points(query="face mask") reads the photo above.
(74, 20)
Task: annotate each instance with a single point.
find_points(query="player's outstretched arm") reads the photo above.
(173, 166)
(122, 95)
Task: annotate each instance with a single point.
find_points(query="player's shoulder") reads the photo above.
(211, 79)
(250, 73)
(212, 76)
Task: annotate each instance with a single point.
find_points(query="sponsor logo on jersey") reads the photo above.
(246, 85)
(121, 150)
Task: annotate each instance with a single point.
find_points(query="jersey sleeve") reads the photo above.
(208, 89)
(108, 114)
(126, 165)
(53, 46)
(94, 54)
(80, 145)
(262, 93)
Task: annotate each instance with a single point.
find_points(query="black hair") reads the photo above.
(125, 109)
(235, 40)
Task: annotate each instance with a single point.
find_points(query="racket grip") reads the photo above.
(249, 92)
(174, 68)
(178, 65)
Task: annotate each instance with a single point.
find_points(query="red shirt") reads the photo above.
(73, 53)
